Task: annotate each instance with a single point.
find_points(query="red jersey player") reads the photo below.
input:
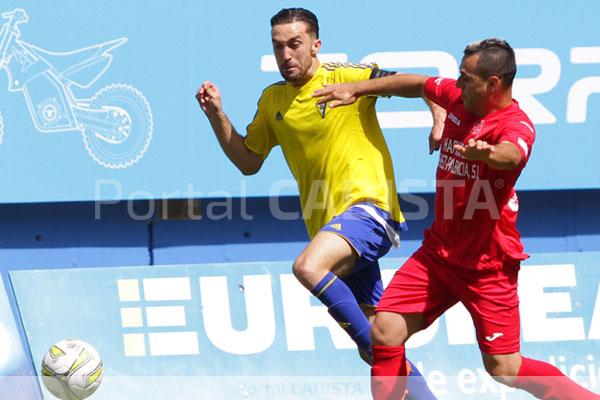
(472, 252)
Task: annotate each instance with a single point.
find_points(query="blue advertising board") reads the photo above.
(97, 97)
(251, 331)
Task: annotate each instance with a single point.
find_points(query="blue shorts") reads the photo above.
(371, 241)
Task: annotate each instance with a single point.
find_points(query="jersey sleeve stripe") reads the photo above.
(379, 73)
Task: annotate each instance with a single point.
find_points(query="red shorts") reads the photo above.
(427, 285)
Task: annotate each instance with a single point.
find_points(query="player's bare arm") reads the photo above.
(232, 143)
(439, 117)
(403, 85)
(503, 155)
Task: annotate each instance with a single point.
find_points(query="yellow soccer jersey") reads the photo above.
(338, 156)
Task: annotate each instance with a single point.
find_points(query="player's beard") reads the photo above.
(296, 75)
(292, 75)
(300, 68)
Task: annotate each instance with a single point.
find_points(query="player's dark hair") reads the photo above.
(288, 15)
(496, 57)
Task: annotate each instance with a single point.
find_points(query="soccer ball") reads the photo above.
(72, 369)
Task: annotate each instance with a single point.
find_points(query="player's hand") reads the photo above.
(336, 95)
(209, 98)
(435, 136)
(475, 150)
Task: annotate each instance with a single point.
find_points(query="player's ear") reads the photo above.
(494, 83)
(316, 46)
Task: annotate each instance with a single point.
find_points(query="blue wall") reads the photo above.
(68, 235)
(64, 235)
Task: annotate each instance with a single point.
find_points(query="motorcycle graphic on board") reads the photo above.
(116, 122)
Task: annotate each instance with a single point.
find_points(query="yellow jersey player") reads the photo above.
(343, 168)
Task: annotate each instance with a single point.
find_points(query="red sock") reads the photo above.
(547, 382)
(388, 373)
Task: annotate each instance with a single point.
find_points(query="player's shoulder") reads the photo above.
(438, 88)
(273, 87)
(346, 72)
(332, 66)
(518, 119)
(270, 92)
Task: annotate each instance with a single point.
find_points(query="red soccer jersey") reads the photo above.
(476, 206)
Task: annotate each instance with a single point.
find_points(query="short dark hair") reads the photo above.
(288, 15)
(496, 57)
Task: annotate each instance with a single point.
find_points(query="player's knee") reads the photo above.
(378, 334)
(306, 272)
(299, 268)
(385, 333)
(502, 369)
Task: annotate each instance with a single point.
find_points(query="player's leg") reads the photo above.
(494, 306)
(545, 381)
(333, 254)
(318, 268)
(369, 312)
(357, 272)
(372, 232)
(389, 372)
(542, 380)
(502, 367)
(412, 301)
(367, 287)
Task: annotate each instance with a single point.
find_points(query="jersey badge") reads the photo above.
(278, 116)
(476, 129)
(322, 108)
